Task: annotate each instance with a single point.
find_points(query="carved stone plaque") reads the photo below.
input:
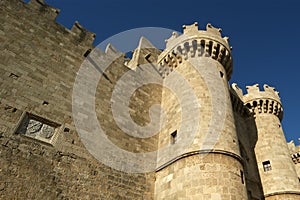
(38, 129)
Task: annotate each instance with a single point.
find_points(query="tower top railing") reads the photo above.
(197, 43)
(261, 101)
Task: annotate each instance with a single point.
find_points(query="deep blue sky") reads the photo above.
(265, 35)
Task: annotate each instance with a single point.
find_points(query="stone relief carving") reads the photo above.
(36, 129)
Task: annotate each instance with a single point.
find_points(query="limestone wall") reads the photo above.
(271, 146)
(38, 66)
(212, 176)
(42, 156)
(297, 166)
(276, 170)
(198, 172)
(295, 155)
(247, 135)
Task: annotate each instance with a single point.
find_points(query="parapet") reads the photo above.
(197, 43)
(253, 92)
(50, 13)
(293, 147)
(144, 53)
(48, 10)
(294, 151)
(84, 35)
(236, 95)
(265, 101)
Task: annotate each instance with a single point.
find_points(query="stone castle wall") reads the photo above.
(295, 154)
(199, 171)
(273, 158)
(38, 66)
(247, 134)
(42, 156)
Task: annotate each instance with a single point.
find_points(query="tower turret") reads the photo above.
(276, 169)
(210, 166)
(197, 43)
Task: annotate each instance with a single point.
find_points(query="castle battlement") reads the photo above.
(83, 33)
(236, 95)
(253, 92)
(197, 43)
(294, 151)
(260, 101)
(144, 53)
(77, 122)
(48, 12)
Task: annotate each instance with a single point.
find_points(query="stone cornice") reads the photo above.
(196, 43)
(207, 151)
(296, 157)
(265, 105)
(283, 193)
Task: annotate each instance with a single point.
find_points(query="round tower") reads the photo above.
(209, 166)
(276, 168)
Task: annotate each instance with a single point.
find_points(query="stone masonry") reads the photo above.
(216, 142)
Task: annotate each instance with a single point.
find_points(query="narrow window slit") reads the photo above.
(173, 137)
(221, 74)
(147, 57)
(242, 177)
(87, 53)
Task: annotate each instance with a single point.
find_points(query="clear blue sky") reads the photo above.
(265, 36)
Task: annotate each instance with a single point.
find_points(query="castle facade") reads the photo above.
(217, 141)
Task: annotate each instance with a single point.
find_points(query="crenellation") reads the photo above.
(213, 30)
(184, 54)
(173, 36)
(255, 92)
(207, 43)
(83, 34)
(270, 153)
(44, 9)
(48, 16)
(43, 155)
(144, 53)
(236, 95)
(294, 149)
(110, 50)
(238, 90)
(265, 101)
(253, 89)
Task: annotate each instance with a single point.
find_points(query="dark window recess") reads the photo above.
(267, 166)
(148, 56)
(221, 74)
(242, 177)
(173, 137)
(87, 53)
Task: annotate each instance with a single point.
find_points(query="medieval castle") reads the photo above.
(237, 148)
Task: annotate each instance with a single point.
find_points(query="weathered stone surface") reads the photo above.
(39, 62)
(235, 133)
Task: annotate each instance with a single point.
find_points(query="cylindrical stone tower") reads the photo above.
(276, 168)
(209, 166)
